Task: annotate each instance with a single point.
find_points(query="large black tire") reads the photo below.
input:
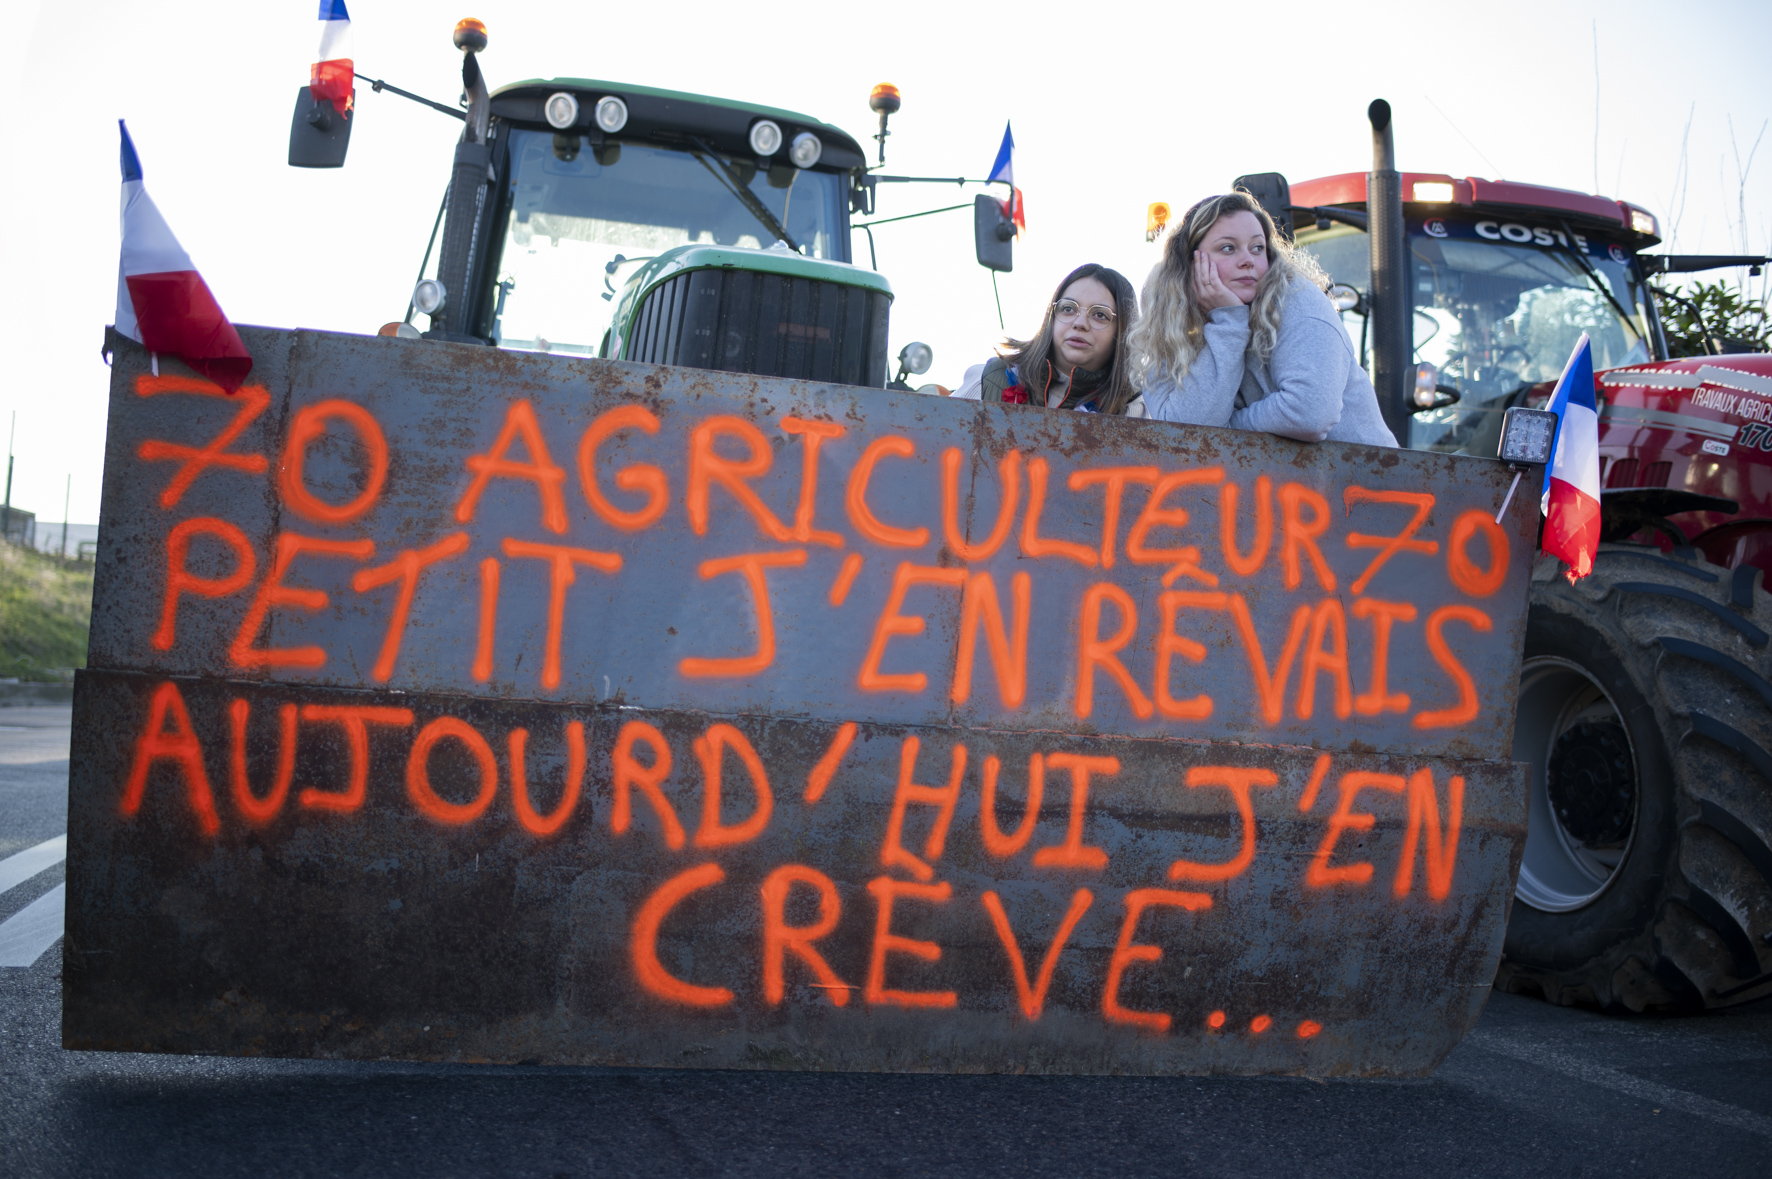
(1646, 713)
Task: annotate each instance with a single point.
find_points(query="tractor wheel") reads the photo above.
(1645, 713)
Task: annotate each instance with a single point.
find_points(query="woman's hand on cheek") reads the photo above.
(1208, 291)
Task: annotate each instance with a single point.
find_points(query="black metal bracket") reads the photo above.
(377, 85)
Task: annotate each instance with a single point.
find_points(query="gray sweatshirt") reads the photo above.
(1312, 389)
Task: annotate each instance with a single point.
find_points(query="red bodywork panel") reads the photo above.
(1349, 188)
(1702, 424)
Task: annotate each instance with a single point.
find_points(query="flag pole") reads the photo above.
(1511, 488)
(994, 291)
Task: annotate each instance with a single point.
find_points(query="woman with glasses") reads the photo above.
(1078, 359)
(1238, 332)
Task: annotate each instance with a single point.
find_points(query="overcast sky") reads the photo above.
(1114, 106)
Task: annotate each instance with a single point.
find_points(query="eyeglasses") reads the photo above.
(1070, 309)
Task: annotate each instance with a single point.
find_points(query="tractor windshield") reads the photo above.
(581, 218)
(1499, 306)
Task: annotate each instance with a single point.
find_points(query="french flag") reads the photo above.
(1004, 170)
(1571, 502)
(163, 304)
(334, 75)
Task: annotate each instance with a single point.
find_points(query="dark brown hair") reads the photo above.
(1032, 359)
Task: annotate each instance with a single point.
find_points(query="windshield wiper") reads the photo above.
(1593, 277)
(742, 191)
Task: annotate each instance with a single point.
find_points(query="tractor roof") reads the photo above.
(668, 114)
(1501, 197)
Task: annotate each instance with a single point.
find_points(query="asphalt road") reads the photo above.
(1535, 1090)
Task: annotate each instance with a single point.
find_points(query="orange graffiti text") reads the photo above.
(255, 810)
(1442, 853)
(528, 817)
(539, 470)
(180, 580)
(627, 772)
(561, 560)
(194, 460)
(781, 939)
(404, 569)
(708, 467)
(892, 623)
(1345, 818)
(861, 515)
(1237, 780)
(892, 852)
(177, 744)
(752, 566)
(1033, 997)
(1388, 546)
(272, 592)
(886, 892)
(310, 423)
(642, 477)
(356, 721)
(418, 772)
(1094, 652)
(1127, 953)
(1299, 535)
(996, 843)
(710, 749)
(1073, 853)
(1032, 543)
(811, 434)
(1468, 705)
(648, 970)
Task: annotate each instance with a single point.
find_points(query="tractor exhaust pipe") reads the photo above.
(1393, 346)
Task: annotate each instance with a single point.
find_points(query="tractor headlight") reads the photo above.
(916, 357)
(806, 149)
(765, 137)
(428, 296)
(612, 114)
(560, 110)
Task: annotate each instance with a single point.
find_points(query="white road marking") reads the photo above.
(26, 934)
(16, 869)
(1661, 1096)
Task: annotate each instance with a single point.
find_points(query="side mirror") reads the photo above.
(1273, 194)
(1429, 393)
(319, 135)
(1347, 298)
(993, 234)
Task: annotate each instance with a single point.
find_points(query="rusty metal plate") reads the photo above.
(1293, 667)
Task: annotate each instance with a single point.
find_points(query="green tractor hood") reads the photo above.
(770, 312)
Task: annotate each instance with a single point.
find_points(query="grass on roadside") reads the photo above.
(45, 612)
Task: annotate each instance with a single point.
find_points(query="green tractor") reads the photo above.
(592, 218)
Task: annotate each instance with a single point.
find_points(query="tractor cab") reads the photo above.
(609, 191)
(1502, 279)
(627, 222)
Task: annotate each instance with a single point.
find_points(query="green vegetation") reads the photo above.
(1708, 318)
(45, 611)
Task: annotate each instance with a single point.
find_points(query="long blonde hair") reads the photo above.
(1172, 329)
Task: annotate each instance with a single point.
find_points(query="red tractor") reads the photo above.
(1645, 706)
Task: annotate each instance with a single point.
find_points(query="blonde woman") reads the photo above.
(1237, 332)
